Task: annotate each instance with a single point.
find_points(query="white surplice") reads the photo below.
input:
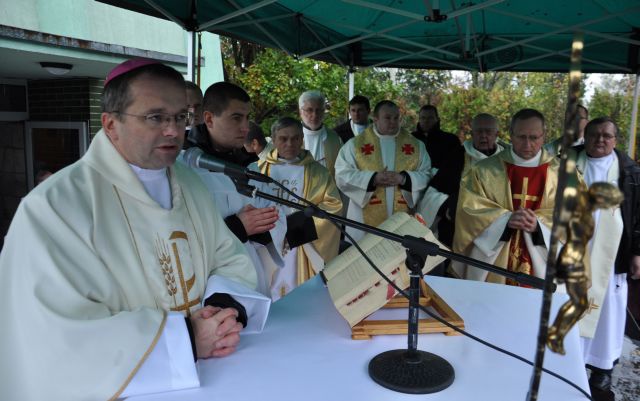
(91, 266)
(602, 328)
(229, 201)
(354, 182)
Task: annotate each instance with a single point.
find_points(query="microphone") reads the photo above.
(195, 157)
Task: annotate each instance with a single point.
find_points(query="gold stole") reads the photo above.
(368, 155)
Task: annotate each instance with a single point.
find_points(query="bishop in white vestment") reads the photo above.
(107, 264)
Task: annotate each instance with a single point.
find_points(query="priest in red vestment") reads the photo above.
(504, 214)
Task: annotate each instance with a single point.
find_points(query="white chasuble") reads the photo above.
(354, 182)
(603, 246)
(102, 264)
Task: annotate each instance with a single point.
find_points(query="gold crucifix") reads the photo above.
(524, 197)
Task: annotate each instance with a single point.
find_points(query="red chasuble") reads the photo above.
(527, 188)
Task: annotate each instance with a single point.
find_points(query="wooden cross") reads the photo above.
(524, 197)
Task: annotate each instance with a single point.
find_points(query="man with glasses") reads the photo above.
(504, 212)
(130, 274)
(438, 206)
(614, 252)
(322, 142)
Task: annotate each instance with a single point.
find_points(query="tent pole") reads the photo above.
(634, 121)
(352, 83)
(191, 54)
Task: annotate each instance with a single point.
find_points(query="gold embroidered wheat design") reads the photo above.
(167, 269)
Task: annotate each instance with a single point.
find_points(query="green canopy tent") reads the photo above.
(489, 35)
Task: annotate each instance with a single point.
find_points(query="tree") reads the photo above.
(614, 98)
(275, 81)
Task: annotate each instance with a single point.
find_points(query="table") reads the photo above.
(306, 352)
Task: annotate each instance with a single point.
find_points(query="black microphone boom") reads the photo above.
(195, 157)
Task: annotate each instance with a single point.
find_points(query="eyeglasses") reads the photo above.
(162, 120)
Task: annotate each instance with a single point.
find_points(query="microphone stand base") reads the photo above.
(411, 371)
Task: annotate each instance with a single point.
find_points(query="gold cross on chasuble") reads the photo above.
(527, 185)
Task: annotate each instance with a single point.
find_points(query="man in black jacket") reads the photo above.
(440, 145)
(359, 109)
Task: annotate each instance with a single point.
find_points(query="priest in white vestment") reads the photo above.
(384, 170)
(117, 272)
(505, 206)
(614, 248)
(296, 170)
(322, 142)
(256, 222)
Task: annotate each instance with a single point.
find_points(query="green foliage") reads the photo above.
(275, 80)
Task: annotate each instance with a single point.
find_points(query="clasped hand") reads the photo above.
(386, 178)
(216, 331)
(523, 219)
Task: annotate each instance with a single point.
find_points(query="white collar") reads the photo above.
(309, 131)
(379, 135)
(533, 162)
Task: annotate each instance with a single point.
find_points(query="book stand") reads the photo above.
(365, 329)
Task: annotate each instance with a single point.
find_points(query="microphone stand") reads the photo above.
(404, 370)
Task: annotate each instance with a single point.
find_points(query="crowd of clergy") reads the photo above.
(138, 249)
(483, 198)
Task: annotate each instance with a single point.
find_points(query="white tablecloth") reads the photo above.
(306, 352)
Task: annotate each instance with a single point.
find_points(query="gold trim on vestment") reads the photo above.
(368, 157)
(135, 243)
(144, 357)
(320, 189)
(485, 195)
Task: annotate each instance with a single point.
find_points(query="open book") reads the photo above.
(355, 288)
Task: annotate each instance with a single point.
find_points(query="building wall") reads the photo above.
(119, 30)
(66, 100)
(13, 178)
(93, 37)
